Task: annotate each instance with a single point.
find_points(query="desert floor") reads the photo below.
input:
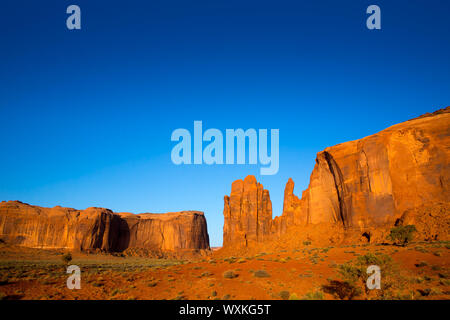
(421, 272)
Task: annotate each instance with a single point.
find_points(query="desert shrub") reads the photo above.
(294, 297)
(261, 274)
(306, 243)
(98, 284)
(342, 289)
(229, 274)
(314, 295)
(424, 292)
(402, 234)
(230, 259)
(66, 258)
(354, 273)
(421, 264)
(284, 295)
(206, 274)
(435, 291)
(444, 282)
(443, 275)
(436, 268)
(420, 249)
(114, 292)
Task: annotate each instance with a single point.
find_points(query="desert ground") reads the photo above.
(419, 270)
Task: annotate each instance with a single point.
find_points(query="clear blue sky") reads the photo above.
(86, 116)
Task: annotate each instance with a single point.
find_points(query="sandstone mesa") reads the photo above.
(100, 229)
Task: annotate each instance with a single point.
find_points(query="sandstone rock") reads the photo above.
(164, 232)
(247, 212)
(360, 189)
(101, 229)
(370, 183)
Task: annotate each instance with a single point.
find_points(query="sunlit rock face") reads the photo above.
(247, 212)
(101, 229)
(360, 188)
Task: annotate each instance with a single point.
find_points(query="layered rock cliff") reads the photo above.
(247, 213)
(101, 229)
(360, 189)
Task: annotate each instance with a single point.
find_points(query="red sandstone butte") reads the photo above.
(358, 190)
(101, 229)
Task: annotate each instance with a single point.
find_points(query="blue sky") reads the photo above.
(87, 115)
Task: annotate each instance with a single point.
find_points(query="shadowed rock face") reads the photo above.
(367, 186)
(99, 228)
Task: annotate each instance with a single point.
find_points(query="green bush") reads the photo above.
(342, 289)
(354, 273)
(316, 295)
(229, 274)
(295, 297)
(284, 295)
(261, 274)
(402, 234)
(66, 258)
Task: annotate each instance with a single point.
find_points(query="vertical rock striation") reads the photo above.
(247, 212)
(364, 187)
(101, 229)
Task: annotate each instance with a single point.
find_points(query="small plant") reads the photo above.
(314, 295)
(66, 258)
(421, 249)
(114, 292)
(294, 297)
(401, 235)
(261, 274)
(230, 274)
(355, 274)
(98, 284)
(284, 295)
(421, 264)
(342, 289)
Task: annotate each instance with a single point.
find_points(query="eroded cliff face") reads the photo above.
(360, 189)
(247, 212)
(172, 231)
(101, 229)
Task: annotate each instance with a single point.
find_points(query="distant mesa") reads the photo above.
(358, 191)
(100, 229)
